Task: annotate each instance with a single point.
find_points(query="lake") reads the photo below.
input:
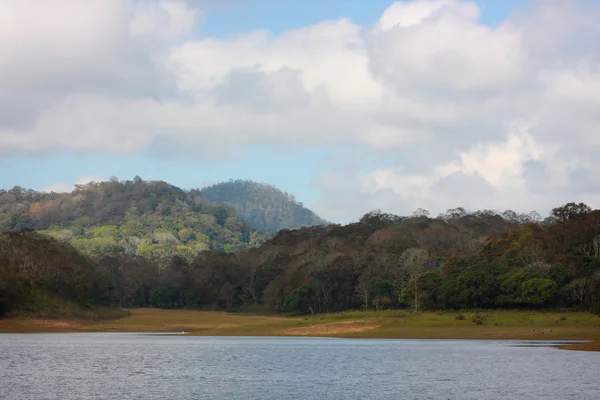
(148, 366)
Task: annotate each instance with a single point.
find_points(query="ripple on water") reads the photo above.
(141, 366)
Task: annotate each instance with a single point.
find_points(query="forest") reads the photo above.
(155, 220)
(457, 260)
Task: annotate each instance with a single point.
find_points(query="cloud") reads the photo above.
(251, 89)
(62, 187)
(58, 188)
(458, 113)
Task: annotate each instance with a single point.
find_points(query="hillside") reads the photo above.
(459, 260)
(151, 219)
(263, 207)
(41, 276)
(456, 261)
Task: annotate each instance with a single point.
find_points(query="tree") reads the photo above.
(364, 288)
(538, 291)
(301, 299)
(227, 294)
(162, 297)
(576, 290)
(430, 285)
(419, 213)
(382, 291)
(478, 286)
(379, 218)
(413, 260)
(591, 250)
(570, 211)
(454, 213)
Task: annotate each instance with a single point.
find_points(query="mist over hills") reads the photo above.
(262, 206)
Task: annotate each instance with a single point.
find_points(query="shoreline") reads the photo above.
(391, 324)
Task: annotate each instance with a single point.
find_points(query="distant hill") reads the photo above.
(262, 206)
(137, 218)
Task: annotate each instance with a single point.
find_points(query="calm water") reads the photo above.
(137, 366)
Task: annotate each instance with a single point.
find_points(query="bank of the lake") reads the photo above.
(398, 324)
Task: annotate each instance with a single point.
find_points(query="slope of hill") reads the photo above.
(263, 207)
(456, 261)
(145, 218)
(41, 276)
(472, 261)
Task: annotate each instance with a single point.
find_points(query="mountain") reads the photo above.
(262, 206)
(145, 218)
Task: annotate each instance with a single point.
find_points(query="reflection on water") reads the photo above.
(157, 366)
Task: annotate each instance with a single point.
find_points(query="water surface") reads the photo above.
(140, 366)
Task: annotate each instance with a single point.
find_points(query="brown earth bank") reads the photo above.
(398, 324)
(587, 346)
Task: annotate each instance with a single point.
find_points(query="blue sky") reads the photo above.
(289, 169)
(279, 16)
(336, 158)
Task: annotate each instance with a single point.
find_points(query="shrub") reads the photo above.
(479, 319)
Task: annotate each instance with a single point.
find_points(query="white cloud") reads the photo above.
(58, 188)
(501, 165)
(62, 187)
(407, 14)
(460, 112)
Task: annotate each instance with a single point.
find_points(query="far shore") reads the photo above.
(391, 324)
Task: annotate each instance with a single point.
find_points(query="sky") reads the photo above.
(349, 105)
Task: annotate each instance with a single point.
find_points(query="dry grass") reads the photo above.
(518, 325)
(331, 329)
(138, 320)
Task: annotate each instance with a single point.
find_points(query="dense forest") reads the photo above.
(152, 219)
(457, 260)
(263, 206)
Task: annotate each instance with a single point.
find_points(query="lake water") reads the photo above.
(141, 366)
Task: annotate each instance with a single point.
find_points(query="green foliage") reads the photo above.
(571, 211)
(106, 231)
(162, 297)
(538, 291)
(149, 219)
(187, 235)
(478, 286)
(175, 249)
(428, 285)
(301, 300)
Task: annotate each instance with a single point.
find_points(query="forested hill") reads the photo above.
(137, 218)
(264, 207)
(457, 260)
(154, 219)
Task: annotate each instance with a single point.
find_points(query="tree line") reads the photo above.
(457, 260)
